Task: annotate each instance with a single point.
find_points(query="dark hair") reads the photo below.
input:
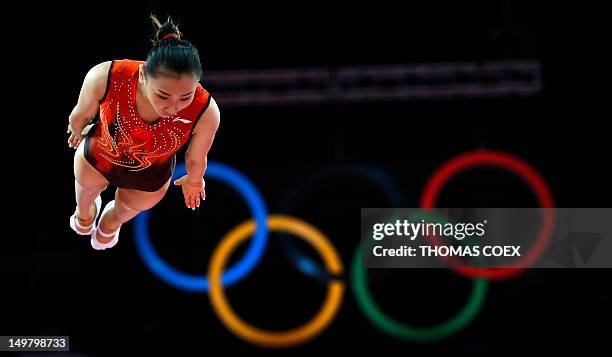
(170, 55)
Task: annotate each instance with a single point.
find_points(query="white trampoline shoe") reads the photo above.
(97, 245)
(85, 231)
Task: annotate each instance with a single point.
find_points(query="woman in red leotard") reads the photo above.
(143, 112)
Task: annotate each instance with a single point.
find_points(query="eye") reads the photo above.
(184, 100)
(164, 98)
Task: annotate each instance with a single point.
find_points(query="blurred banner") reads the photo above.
(297, 86)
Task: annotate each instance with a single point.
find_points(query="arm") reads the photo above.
(196, 155)
(92, 91)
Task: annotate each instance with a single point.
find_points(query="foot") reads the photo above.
(107, 229)
(105, 236)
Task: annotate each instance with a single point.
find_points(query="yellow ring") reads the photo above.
(295, 336)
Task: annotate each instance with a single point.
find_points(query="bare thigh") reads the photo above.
(141, 200)
(85, 174)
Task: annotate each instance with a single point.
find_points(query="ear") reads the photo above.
(141, 72)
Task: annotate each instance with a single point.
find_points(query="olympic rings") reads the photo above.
(316, 325)
(199, 283)
(260, 223)
(514, 164)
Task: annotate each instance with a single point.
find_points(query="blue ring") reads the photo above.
(199, 283)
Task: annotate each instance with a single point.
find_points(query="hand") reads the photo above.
(75, 138)
(192, 191)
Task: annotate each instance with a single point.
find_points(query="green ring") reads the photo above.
(373, 312)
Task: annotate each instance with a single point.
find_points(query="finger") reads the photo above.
(192, 202)
(197, 201)
(203, 194)
(186, 198)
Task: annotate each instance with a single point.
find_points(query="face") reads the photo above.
(168, 95)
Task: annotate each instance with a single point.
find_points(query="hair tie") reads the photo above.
(168, 35)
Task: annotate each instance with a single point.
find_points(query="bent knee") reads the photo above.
(90, 185)
(125, 206)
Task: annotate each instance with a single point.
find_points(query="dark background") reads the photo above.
(56, 284)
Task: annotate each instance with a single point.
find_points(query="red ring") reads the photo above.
(472, 159)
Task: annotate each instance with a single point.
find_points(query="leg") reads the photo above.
(88, 184)
(128, 203)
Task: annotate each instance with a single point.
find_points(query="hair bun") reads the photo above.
(165, 31)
